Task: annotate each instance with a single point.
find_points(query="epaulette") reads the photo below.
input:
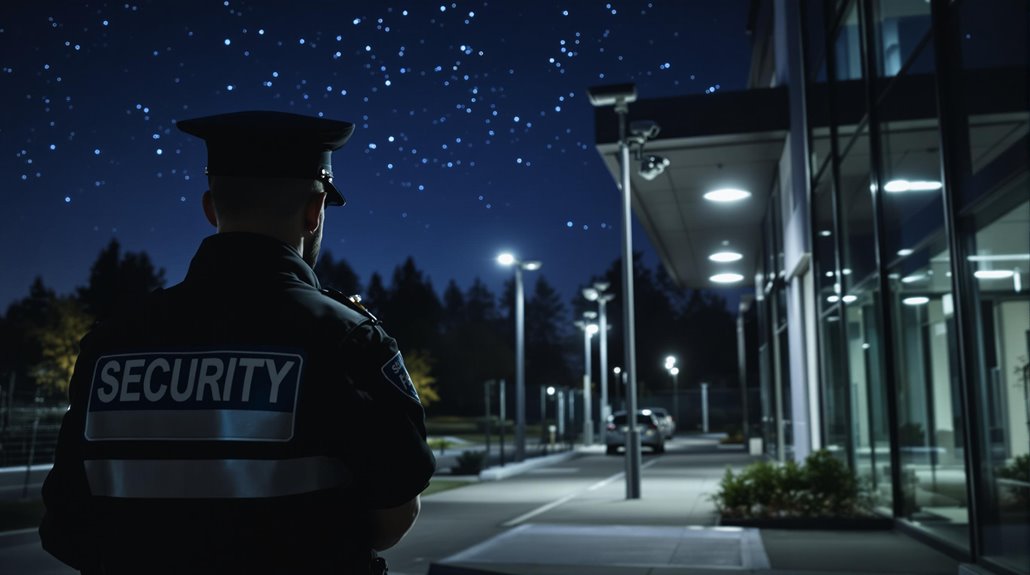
(351, 301)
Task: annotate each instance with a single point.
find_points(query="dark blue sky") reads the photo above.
(474, 133)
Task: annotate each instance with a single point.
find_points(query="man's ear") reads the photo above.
(209, 209)
(313, 211)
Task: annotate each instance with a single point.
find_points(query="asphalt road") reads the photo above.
(455, 520)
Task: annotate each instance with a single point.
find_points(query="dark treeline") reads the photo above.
(455, 339)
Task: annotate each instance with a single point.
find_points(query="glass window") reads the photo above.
(824, 240)
(848, 46)
(901, 27)
(995, 91)
(859, 257)
(835, 388)
(870, 432)
(815, 39)
(999, 263)
(930, 408)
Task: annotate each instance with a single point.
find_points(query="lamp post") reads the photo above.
(596, 293)
(507, 259)
(589, 329)
(670, 365)
(620, 96)
(619, 384)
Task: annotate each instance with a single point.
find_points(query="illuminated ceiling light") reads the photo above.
(905, 252)
(726, 278)
(913, 278)
(846, 271)
(849, 298)
(1001, 258)
(898, 186)
(916, 300)
(826, 233)
(727, 195)
(993, 274)
(723, 257)
(833, 298)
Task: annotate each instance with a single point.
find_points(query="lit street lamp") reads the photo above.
(596, 293)
(675, 371)
(589, 329)
(619, 96)
(507, 259)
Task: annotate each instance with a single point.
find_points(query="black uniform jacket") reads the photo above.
(241, 421)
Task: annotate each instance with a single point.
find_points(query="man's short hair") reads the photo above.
(261, 198)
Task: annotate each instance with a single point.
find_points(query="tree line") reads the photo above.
(452, 342)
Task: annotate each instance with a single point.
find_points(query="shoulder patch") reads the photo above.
(394, 371)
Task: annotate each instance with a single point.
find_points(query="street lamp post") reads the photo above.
(620, 96)
(670, 365)
(596, 293)
(589, 329)
(507, 259)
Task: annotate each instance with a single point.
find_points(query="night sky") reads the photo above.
(473, 130)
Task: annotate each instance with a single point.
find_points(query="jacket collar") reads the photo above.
(241, 258)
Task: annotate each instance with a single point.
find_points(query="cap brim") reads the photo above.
(333, 196)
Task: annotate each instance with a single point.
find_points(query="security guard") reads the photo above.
(243, 420)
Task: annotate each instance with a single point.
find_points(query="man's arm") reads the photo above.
(392, 524)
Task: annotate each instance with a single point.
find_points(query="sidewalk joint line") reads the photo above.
(549, 506)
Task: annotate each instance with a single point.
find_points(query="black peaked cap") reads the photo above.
(271, 144)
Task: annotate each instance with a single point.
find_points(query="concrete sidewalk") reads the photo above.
(672, 530)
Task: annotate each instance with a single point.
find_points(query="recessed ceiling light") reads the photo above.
(726, 278)
(916, 300)
(849, 298)
(723, 257)
(826, 233)
(993, 274)
(833, 298)
(905, 252)
(727, 195)
(896, 186)
(913, 278)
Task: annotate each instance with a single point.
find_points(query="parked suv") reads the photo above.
(648, 425)
(665, 421)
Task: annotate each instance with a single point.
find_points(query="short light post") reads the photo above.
(596, 293)
(507, 259)
(589, 329)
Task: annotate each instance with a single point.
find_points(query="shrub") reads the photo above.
(469, 463)
(1018, 470)
(821, 487)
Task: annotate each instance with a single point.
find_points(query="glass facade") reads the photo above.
(919, 158)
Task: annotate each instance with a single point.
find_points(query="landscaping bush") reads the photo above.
(821, 487)
(469, 463)
(1018, 470)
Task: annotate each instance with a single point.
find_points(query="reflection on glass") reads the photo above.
(848, 47)
(930, 412)
(859, 257)
(870, 436)
(901, 27)
(1000, 267)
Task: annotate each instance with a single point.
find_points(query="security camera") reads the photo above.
(612, 94)
(652, 166)
(645, 129)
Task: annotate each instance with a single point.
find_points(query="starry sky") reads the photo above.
(473, 134)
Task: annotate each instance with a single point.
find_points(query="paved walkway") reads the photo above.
(672, 530)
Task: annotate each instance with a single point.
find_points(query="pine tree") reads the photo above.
(117, 281)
